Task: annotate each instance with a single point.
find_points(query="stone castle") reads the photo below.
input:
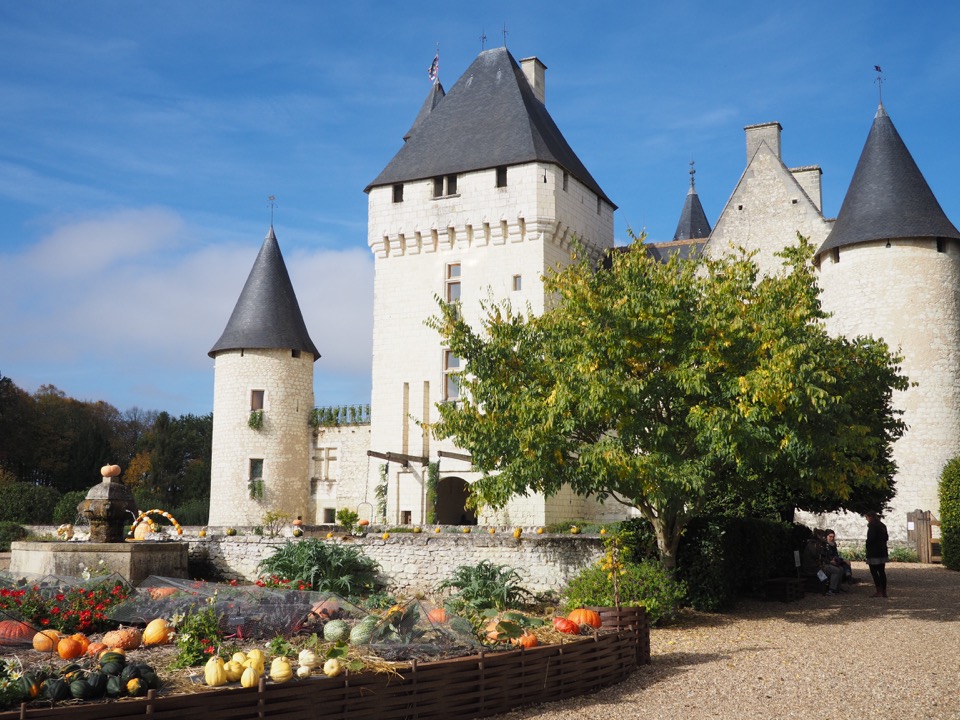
(482, 199)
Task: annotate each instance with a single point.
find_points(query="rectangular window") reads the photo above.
(256, 468)
(517, 283)
(438, 187)
(326, 463)
(451, 383)
(941, 245)
(836, 254)
(406, 517)
(451, 184)
(502, 176)
(444, 185)
(329, 516)
(256, 399)
(598, 204)
(452, 291)
(398, 193)
(566, 180)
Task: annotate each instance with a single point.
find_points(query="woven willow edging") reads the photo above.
(470, 687)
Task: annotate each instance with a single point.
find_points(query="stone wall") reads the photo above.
(417, 562)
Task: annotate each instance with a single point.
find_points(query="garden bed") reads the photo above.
(469, 687)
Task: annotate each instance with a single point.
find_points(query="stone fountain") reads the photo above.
(108, 507)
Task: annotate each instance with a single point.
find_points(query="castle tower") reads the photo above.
(692, 232)
(890, 268)
(263, 399)
(483, 198)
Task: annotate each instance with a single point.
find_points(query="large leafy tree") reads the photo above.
(660, 384)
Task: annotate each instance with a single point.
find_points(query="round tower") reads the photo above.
(890, 268)
(263, 399)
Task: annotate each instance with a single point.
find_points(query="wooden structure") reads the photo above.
(470, 687)
(920, 524)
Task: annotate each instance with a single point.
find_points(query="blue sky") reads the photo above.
(139, 142)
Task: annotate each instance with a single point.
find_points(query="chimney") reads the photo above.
(809, 179)
(764, 132)
(535, 72)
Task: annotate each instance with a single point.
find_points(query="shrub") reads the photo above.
(721, 557)
(347, 519)
(854, 552)
(192, 512)
(65, 511)
(28, 504)
(904, 555)
(485, 586)
(9, 532)
(646, 584)
(324, 567)
(949, 493)
(641, 540)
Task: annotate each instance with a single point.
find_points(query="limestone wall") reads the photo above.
(417, 562)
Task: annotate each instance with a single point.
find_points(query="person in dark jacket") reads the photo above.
(877, 552)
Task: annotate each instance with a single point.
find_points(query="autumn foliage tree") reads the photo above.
(659, 384)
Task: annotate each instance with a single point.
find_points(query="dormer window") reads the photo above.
(444, 185)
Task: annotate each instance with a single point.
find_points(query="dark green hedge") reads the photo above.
(949, 491)
(10, 532)
(28, 504)
(722, 557)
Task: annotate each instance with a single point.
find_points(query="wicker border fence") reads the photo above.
(469, 687)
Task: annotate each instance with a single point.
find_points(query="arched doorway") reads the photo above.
(451, 507)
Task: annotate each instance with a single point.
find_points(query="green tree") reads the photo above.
(655, 383)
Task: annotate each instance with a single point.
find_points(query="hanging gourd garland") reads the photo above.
(144, 516)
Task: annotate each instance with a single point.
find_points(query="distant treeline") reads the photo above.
(53, 441)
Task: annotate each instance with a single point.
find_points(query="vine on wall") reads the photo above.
(337, 415)
(381, 492)
(433, 480)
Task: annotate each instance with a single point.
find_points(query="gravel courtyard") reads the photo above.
(848, 656)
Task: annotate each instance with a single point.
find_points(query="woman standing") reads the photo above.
(877, 552)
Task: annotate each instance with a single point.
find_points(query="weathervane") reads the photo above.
(692, 173)
(504, 34)
(483, 40)
(272, 199)
(879, 81)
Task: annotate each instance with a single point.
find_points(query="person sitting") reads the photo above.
(833, 557)
(813, 563)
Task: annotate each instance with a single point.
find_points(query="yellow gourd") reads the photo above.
(240, 657)
(280, 670)
(307, 658)
(257, 655)
(304, 671)
(250, 677)
(332, 667)
(157, 632)
(214, 673)
(234, 670)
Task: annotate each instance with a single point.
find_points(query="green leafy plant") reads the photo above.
(11, 691)
(280, 646)
(273, 522)
(347, 519)
(903, 555)
(9, 532)
(433, 481)
(198, 635)
(948, 491)
(255, 421)
(322, 566)
(485, 586)
(645, 584)
(381, 493)
(854, 552)
(255, 488)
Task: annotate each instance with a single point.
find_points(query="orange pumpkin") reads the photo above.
(583, 616)
(110, 470)
(160, 592)
(157, 632)
(83, 640)
(562, 624)
(94, 649)
(527, 640)
(125, 638)
(46, 641)
(14, 632)
(437, 615)
(68, 648)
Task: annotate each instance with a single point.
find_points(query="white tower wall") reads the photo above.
(283, 442)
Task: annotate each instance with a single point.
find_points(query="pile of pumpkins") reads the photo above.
(572, 624)
(107, 674)
(247, 668)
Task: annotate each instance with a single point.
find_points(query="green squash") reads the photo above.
(56, 689)
(81, 689)
(115, 686)
(336, 631)
(98, 684)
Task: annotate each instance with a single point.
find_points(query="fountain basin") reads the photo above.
(135, 561)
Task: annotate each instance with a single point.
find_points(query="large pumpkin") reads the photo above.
(14, 632)
(437, 615)
(110, 470)
(157, 632)
(125, 638)
(562, 624)
(527, 640)
(583, 616)
(68, 648)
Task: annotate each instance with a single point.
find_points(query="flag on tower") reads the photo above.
(434, 72)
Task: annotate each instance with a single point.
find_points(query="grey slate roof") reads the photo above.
(686, 249)
(433, 99)
(267, 315)
(489, 118)
(693, 220)
(888, 196)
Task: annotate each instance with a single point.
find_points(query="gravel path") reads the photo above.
(848, 656)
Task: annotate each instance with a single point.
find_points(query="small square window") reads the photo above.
(256, 399)
(502, 176)
(406, 517)
(256, 468)
(517, 283)
(398, 193)
(329, 516)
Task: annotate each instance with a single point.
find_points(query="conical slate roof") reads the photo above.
(434, 97)
(267, 315)
(888, 197)
(489, 118)
(693, 220)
